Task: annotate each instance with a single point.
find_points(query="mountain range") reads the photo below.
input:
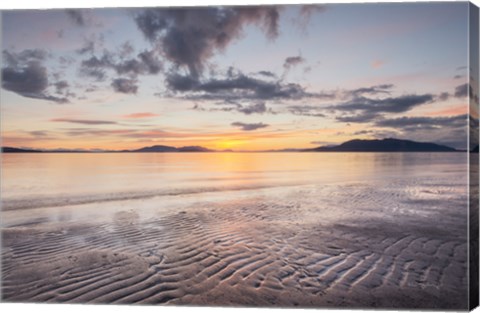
(356, 145)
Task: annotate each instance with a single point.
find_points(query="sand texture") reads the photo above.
(397, 244)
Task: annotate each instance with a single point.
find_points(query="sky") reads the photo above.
(240, 78)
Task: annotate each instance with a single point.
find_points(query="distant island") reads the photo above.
(385, 145)
(356, 145)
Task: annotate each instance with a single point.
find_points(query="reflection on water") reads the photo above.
(32, 175)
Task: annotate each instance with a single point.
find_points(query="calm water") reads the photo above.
(30, 180)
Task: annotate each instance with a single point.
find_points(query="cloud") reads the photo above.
(81, 17)
(447, 130)
(98, 132)
(249, 127)
(254, 108)
(140, 115)
(95, 67)
(292, 62)
(424, 122)
(387, 105)
(267, 74)
(444, 96)
(26, 76)
(463, 91)
(76, 16)
(191, 36)
(305, 110)
(237, 86)
(146, 62)
(13, 59)
(151, 61)
(61, 86)
(27, 81)
(364, 117)
(305, 14)
(373, 90)
(39, 133)
(81, 121)
(124, 85)
(91, 44)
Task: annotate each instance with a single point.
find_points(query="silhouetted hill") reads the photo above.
(193, 149)
(155, 149)
(384, 145)
(171, 149)
(18, 150)
(357, 145)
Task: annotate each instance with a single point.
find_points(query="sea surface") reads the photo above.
(110, 176)
(376, 230)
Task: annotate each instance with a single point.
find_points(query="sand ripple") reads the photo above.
(350, 245)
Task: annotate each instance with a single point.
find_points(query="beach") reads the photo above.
(291, 230)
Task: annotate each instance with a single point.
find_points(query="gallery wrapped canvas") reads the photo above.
(320, 155)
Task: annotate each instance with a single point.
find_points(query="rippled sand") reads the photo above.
(400, 244)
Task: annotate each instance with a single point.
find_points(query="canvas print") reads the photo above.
(320, 155)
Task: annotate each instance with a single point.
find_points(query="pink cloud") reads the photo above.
(140, 115)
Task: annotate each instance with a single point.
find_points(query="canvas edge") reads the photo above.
(473, 159)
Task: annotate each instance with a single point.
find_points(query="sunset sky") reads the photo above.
(242, 78)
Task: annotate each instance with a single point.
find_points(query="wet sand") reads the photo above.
(395, 244)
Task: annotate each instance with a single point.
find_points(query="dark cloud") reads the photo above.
(447, 130)
(305, 14)
(81, 17)
(76, 16)
(363, 117)
(363, 132)
(151, 61)
(305, 110)
(182, 83)
(249, 127)
(238, 86)
(364, 108)
(14, 60)
(373, 90)
(129, 67)
(29, 80)
(61, 86)
(88, 47)
(92, 44)
(124, 85)
(254, 108)
(26, 76)
(190, 36)
(267, 74)
(126, 50)
(96, 73)
(292, 61)
(463, 91)
(458, 76)
(95, 66)
(444, 96)
(85, 122)
(424, 122)
(147, 62)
